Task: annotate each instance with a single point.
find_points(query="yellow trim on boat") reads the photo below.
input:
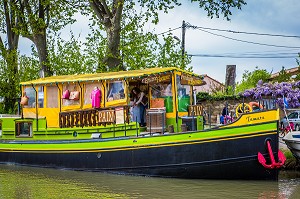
(104, 76)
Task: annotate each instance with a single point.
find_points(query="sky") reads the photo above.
(258, 16)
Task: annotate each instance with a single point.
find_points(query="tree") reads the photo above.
(110, 13)
(297, 78)
(67, 57)
(37, 16)
(170, 53)
(138, 48)
(9, 52)
(250, 79)
(283, 76)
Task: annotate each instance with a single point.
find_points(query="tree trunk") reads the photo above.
(41, 44)
(112, 58)
(110, 17)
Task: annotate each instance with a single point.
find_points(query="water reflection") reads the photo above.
(26, 182)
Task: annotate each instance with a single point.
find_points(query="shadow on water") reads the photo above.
(26, 182)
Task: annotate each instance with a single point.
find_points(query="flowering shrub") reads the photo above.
(289, 91)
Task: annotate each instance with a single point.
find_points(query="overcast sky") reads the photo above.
(258, 16)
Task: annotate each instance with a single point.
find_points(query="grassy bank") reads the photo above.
(291, 162)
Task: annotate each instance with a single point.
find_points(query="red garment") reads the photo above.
(96, 98)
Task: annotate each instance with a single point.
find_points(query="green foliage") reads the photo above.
(212, 7)
(67, 57)
(250, 79)
(283, 76)
(9, 79)
(170, 53)
(215, 7)
(203, 96)
(28, 67)
(288, 154)
(297, 78)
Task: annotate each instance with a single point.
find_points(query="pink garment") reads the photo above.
(96, 98)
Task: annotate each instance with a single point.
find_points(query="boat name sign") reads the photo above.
(156, 79)
(250, 119)
(190, 80)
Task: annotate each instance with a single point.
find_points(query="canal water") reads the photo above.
(39, 183)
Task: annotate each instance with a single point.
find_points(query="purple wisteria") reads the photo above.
(279, 91)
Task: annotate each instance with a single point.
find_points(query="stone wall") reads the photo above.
(216, 107)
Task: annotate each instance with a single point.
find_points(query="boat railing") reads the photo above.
(9, 115)
(94, 117)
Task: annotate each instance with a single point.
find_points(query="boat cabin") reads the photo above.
(101, 105)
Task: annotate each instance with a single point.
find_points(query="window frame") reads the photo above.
(115, 102)
(18, 129)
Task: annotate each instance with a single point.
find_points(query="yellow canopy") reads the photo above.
(104, 76)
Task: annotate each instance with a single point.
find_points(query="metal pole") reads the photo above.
(193, 122)
(124, 117)
(163, 124)
(136, 126)
(243, 104)
(150, 125)
(209, 116)
(183, 43)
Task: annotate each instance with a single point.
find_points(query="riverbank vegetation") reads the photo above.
(291, 162)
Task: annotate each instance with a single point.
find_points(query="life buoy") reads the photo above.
(255, 105)
(242, 108)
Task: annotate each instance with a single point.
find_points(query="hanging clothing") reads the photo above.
(96, 98)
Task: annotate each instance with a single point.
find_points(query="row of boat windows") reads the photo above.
(115, 91)
(52, 94)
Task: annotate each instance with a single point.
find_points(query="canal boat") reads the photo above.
(292, 140)
(87, 122)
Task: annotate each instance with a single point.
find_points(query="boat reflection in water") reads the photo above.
(28, 182)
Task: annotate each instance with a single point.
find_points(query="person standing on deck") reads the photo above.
(140, 100)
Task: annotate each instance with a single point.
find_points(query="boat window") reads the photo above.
(115, 90)
(183, 94)
(41, 97)
(23, 128)
(30, 93)
(163, 91)
(52, 97)
(89, 87)
(72, 88)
